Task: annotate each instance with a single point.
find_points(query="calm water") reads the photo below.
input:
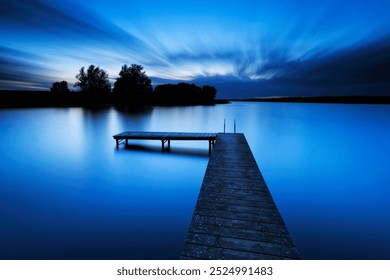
(66, 192)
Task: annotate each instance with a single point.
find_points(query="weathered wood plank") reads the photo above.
(235, 216)
(250, 234)
(215, 206)
(237, 224)
(165, 137)
(201, 252)
(246, 245)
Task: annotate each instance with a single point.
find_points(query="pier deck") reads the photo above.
(165, 137)
(235, 216)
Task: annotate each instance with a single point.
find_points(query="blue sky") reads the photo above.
(244, 48)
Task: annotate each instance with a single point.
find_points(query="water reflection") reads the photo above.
(152, 148)
(67, 193)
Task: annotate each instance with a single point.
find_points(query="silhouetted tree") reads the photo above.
(209, 92)
(94, 80)
(191, 90)
(133, 82)
(60, 87)
(179, 91)
(185, 92)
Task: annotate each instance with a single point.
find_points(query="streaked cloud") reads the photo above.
(252, 42)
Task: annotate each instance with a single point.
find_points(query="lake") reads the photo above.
(66, 192)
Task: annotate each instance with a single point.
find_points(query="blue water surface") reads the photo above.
(66, 192)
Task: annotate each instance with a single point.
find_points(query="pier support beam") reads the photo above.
(211, 145)
(163, 141)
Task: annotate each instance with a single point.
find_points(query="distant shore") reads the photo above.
(17, 98)
(323, 99)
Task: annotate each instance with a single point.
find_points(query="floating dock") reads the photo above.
(235, 216)
(165, 137)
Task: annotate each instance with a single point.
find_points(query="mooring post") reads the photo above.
(224, 125)
(234, 125)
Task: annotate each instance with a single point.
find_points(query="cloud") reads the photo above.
(234, 46)
(65, 20)
(40, 39)
(15, 73)
(363, 69)
(358, 65)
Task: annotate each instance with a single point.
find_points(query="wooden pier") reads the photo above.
(165, 137)
(235, 216)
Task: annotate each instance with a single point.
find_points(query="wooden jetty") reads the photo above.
(165, 137)
(235, 216)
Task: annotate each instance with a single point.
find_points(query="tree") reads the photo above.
(185, 92)
(133, 81)
(94, 80)
(60, 87)
(209, 92)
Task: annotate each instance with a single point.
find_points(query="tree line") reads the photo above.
(132, 85)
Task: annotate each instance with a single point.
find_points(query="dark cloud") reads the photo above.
(61, 25)
(62, 21)
(359, 65)
(360, 70)
(17, 74)
(35, 14)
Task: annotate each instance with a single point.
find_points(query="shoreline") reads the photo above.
(358, 99)
(31, 99)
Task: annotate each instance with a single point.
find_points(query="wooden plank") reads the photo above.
(165, 137)
(245, 245)
(250, 234)
(202, 252)
(199, 221)
(235, 216)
